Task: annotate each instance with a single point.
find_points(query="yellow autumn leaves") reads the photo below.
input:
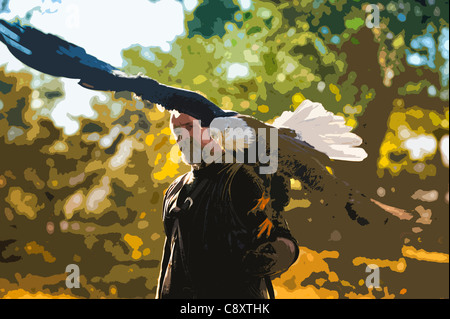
(135, 243)
(410, 141)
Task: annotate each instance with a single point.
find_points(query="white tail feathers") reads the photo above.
(324, 131)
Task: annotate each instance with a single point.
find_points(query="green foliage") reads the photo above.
(210, 18)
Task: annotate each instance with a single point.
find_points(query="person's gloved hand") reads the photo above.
(261, 260)
(270, 257)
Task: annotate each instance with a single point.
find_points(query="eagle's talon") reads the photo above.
(266, 225)
(260, 205)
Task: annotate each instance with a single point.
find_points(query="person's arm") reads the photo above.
(164, 264)
(173, 188)
(167, 242)
(273, 249)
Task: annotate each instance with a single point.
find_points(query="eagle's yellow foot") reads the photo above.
(266, 225)
(260, 205)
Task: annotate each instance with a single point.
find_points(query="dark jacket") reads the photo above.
(203, 257)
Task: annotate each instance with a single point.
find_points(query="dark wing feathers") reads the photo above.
(48, 53)
(54, 56)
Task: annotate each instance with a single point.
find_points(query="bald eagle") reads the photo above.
(307, 138)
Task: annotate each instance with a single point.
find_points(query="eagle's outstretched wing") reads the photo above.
(48, 53)
(52, 55)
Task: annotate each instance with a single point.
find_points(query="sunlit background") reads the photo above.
(82, 173)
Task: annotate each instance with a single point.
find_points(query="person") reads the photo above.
(220, 242)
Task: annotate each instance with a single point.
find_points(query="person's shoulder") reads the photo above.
(173, 187)
(174, 184)
(179, 178)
